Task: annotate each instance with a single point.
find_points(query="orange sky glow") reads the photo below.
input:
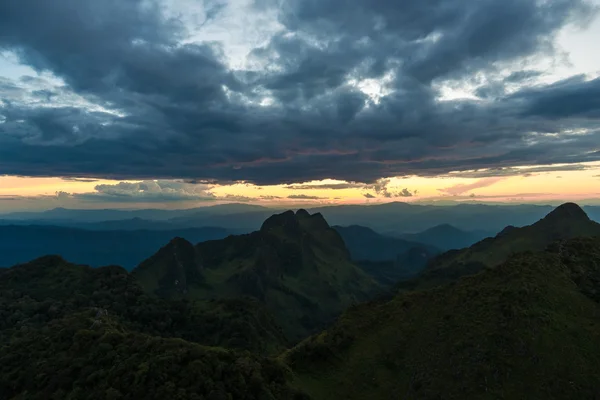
(539, 184)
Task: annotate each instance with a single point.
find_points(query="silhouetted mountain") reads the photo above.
(446, 237)
(528, 329)
(564, 222)
(295, 264)
(96, 248)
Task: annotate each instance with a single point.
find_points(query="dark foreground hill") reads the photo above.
(296, 265)
(75, 332)
(564, 222)
(71, 358)
(528, 329)
(49, 288)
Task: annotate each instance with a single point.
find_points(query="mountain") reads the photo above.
(66, 215)
(398, 217)
(366, 244)
(389, 218)
(295, 264)
(48, 288)
(446, 237)
(385, 258)
(564, 222)
(92, 333)
(96, 248)
(527, 329)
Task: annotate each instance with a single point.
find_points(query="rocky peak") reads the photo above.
(286, 220)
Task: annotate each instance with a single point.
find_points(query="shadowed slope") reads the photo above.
(295, 264)
(565, 222)
(33, 294)
(529, 328)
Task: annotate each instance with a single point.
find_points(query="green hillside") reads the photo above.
(528, 329)
(564, 222)
(81, 356)
(295, 264)
(49, 288)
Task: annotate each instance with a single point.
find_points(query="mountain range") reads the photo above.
(565, 222)
(527, 329)
(296, 264)
(285, 312)
(21, 243)
(392, 219)
(447, 237)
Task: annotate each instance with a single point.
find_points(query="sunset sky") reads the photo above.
(185, 103)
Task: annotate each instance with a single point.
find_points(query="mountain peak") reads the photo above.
(286, 219)
(302, 213)
(179, 241)
(507, 229)
(567, 211)
(291, 221)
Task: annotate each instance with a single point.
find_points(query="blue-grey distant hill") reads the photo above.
(20, 244)
(447, 237)
(392, 219)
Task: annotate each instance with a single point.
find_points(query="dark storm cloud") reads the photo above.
(79, 180)
(573, 97)
(166, 110)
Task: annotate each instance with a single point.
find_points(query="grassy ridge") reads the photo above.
(527, 329)
(565, 222)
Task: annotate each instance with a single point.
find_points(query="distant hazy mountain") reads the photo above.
(64, 215)
(565, 222)
(295, 264)
(446, 237)
(391, 218)
(527, 329)
(366, 244)
(19, 244)
(412, 218)
(387, 259)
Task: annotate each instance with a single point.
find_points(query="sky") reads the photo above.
(185, 103)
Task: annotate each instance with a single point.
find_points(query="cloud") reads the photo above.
(238, 198)
(126, 92)
(382, 189)
(369, 196)
(148, 191)
(305, 197)
(522, 171)
(405, 193)
(87, 180)
(333, 186)
(461, 188)
(268, 197)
